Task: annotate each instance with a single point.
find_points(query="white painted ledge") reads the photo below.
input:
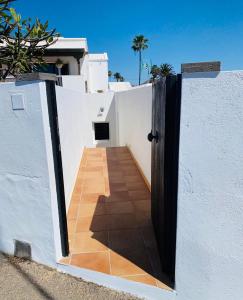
(119, 284)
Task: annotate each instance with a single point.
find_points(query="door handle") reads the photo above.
(151, 136)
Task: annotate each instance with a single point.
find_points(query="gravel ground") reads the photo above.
(25, 280)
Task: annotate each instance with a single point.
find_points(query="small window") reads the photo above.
(102, 131)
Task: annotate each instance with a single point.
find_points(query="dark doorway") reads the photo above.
(165, 144)
(102, 131)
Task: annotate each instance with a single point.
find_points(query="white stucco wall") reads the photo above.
(27, 182)
(134, 114)
(73, 128)
(97, 72)
(209, 262)
(74, 82)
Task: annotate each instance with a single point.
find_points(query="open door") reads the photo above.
(164, 137)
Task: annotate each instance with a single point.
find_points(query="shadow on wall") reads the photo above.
(127, 221)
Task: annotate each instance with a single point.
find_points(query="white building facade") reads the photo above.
(80, 70)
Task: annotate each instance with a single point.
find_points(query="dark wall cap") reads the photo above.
(36, 76)
(212, 66)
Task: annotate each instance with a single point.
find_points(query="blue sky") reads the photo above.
(178, 31)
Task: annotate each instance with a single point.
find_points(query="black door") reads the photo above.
(165, 143)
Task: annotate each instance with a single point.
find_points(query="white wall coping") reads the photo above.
(119, 86)
(136, 87)
(209, 73)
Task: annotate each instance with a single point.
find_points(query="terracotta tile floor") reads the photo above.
(109, 221)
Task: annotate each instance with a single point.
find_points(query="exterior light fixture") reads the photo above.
(59, 65)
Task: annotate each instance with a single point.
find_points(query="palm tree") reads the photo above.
(118, 77)
(139, 44)
(166, 69)
(162, 71)
(155, 72)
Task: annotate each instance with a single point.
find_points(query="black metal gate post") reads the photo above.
(57, 158)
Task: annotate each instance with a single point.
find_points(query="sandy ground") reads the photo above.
(24, 280)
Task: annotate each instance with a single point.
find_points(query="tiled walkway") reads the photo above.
(109, 218)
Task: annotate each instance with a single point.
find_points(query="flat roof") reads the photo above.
(70, 43)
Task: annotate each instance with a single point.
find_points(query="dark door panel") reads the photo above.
(165, 143)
